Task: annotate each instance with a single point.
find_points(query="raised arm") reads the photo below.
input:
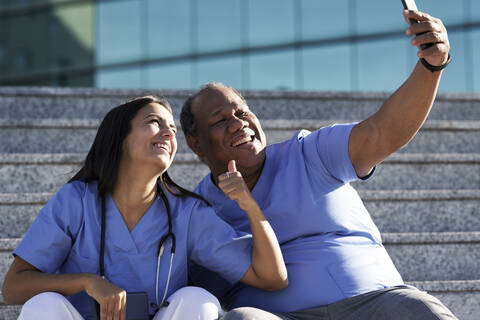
(267, 270)
(402, 115)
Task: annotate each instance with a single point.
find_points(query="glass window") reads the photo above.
(451, 12)
(382, 65)
(379, 16)
(30, 43)
(71, 31)
(476, 61)
(474, 10)
(124, 78)
(270, 21)
(219, 25)
(3, 59)
(168, 28)
(272, 71)
(454, 76)
(327, 68)
(226, 70)
(169, 76)
(118, 31)
(324, 19)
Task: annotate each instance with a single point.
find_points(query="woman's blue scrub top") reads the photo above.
(65, 238)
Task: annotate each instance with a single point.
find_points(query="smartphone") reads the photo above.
(411, 5)
(136, 308)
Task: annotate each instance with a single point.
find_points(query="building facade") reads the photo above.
(347, 45)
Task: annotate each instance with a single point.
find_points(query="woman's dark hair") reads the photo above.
(103, 158)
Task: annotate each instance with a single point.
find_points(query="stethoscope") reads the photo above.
(161, 247)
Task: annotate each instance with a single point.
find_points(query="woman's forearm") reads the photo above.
(267, 259)
(23, 281)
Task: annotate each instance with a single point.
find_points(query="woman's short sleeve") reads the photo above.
(49, 239)
(213, 244)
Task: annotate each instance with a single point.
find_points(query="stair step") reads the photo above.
(418, 255)
(76, 135)
(94, 103)
(267, 124)
(392, 210)
(47, 172)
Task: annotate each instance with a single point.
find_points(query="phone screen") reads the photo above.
(409, 5)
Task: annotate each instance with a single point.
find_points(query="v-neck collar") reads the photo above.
(117, 231)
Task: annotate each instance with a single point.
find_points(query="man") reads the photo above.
(337, 265)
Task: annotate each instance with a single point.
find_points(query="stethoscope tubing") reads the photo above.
(161, 246)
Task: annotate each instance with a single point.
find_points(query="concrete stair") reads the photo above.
(425, 199)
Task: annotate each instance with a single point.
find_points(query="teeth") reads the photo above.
(161, 146)
(241, 141)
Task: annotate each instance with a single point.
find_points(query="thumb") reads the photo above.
(232, 167)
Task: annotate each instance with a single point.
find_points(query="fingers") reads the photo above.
(430, 37)
(232, 167)
(231, 182)
(123, 307)
(425, 26)
(416, 15)
(114, 307)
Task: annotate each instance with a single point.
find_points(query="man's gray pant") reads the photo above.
(398, 303)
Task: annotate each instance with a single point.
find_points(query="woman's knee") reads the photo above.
(247, 313)
(190, 303)
(193, 295)
(48, 305)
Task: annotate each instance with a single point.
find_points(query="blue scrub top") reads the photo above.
(65, 238)
(331, 247)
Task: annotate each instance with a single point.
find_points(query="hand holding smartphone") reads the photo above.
(411, 5)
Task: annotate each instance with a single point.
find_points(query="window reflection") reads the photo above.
(379, 16)
(474, 10)
(327, 68)
(71, 33)
(382, 65)
(168, 28)
(169, 76)
(273, 71)
(476, 61)
(225, 70)
(324, 19)
(219, 25)
(120, 78)
(118, 31)
(270, 21)
(451, 12)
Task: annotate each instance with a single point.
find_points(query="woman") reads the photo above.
(123, 218)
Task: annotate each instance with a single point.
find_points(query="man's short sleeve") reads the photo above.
(213, 244)
(328, 148)
(49, 239)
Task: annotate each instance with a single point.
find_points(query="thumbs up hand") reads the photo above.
(234, 187)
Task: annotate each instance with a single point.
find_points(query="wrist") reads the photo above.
(87, 280)
(249, 206)
(433, 68)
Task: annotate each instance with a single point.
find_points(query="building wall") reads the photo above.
(263, 44)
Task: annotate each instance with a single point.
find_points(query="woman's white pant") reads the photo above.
(190, 303)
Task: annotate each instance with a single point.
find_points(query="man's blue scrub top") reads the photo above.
(331, 247)
(65, 238)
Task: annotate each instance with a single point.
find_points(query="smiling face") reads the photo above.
(226, 130)
(152, 141)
